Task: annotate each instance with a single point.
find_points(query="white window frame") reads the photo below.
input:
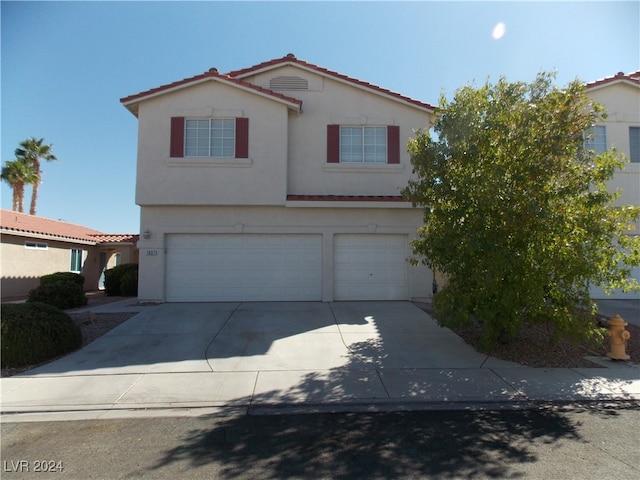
(200, 133)
(36, 246)
(75, 254)
(596, 139)
(364, 151)
(634, 150)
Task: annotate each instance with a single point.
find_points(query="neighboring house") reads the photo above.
(620, 95)
(33, 246)
(280, 181)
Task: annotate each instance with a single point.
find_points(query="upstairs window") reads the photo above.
(209, 137)
(213, 137)
(596, 139)
(363, 144)
(634, 144)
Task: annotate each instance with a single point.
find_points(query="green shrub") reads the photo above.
(114, 276)
(63, 294)
(129, 283)
(34, 332)
(62, 276)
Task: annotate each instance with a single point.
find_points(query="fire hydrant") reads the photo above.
(619, 337)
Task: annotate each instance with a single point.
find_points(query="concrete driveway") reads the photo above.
(289, 353)
(270, 336)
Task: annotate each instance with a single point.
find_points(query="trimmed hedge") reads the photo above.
(62, 277)
(35, 332)
(62, 294)
(122, 280)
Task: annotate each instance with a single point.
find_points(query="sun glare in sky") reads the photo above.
(498, 31)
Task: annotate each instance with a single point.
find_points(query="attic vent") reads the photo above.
(288, 83)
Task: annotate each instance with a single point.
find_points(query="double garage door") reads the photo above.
(248, 267)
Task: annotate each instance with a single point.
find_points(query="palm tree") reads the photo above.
(32, 151)
(18, 173)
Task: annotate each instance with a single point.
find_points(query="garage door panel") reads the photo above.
(243, 267)
(370, 267)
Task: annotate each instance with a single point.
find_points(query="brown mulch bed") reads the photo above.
(535, 346)
(92, 325)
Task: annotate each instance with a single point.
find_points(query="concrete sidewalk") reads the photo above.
(296, 355)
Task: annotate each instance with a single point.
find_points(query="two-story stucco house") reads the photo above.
(280, 181)
(620, 95)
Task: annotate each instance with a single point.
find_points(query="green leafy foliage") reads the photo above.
(517, 215)
(62, 276)
(122, 280)
(35, 332)
(61, 294)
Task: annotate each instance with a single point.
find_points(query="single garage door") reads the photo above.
(370, 267)
(245, 267)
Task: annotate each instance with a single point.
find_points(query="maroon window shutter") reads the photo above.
(177, 137)
(242, 137)
(393, 144)
(333, 143)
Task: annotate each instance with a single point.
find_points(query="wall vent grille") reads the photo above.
(288, 83)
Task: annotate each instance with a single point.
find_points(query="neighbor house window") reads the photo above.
(363, 144)
(634, 144)
(36, 246)
(76, 260)
(209, 137)
(596, 139)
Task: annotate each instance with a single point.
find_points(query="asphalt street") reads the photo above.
(592, 441)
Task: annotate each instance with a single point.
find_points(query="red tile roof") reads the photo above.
(235, 77)
(633, 78)
(346, 198)
(290, 59)
(39, 226)
(209, 75)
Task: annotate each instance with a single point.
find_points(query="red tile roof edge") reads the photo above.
(212, 73)
(346, 198)
(291, 58)
(633, 77)
(23, 223)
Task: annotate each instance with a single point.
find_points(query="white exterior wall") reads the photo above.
(163, 221)
(623, 111)
(622, 103)
(259, 180)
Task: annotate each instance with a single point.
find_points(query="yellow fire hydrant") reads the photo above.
(618, 338)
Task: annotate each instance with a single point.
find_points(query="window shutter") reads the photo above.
(177, 137)
(333, 143)
(242, 137)
(393, 144)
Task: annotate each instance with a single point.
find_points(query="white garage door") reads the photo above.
(246, 267)
(370, 267)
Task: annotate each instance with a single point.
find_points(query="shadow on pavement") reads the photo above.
(391, 445)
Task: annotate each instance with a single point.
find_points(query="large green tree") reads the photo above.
(32, 151)
(517, 215)
(18, 173)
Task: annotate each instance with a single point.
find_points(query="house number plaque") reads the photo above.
(152, 253)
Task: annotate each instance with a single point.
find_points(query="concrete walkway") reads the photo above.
(295, 355)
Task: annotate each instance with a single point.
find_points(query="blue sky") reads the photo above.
(65, 65)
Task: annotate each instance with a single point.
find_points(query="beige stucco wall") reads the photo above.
(22, 267)
(622, 102)
(259, 180)
(162, 221)
(326, 102)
